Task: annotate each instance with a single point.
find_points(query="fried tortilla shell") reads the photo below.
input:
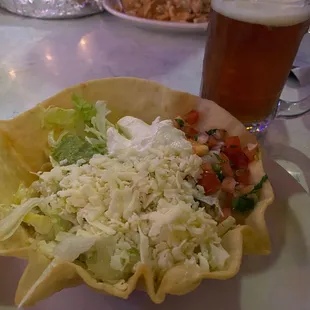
(24, 149)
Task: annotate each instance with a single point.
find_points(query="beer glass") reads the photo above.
(251, 46)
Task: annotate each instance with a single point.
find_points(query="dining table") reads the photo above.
(42, 57)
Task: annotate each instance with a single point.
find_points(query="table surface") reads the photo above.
(40, 58)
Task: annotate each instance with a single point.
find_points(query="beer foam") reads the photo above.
(264, 12)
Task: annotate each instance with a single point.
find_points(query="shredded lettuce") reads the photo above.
(100, 121)
(67, 250)
(84, 109)
(41, 223)
(5, 209)
(144, 248)
(107, 265)
(12, 221)
(23, 193)
(79, 133)
(46, 248)
(60, 224)
(61, 118)
(72, 247)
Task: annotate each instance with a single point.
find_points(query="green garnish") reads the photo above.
(233, 146)
(218, 170)
(216, 167)
(220, 176)
(180, 122)
(196, 137)
(219, 158)
(211, 132)
(259, 185)
(247, 202)
(243, 204)
(86, 110)
(77, 133)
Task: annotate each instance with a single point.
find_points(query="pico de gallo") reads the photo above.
(225, 165)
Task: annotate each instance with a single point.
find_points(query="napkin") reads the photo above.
(297, 86)
(301, 71)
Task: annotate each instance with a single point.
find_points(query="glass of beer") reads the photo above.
(251, 46)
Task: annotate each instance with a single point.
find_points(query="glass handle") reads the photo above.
(292, 109)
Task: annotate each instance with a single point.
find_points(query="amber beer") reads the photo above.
(249, 53)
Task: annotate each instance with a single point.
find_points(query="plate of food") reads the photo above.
(175, 15)
(141, 189)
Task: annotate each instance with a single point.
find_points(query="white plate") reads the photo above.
(154, 24)
(280, 281)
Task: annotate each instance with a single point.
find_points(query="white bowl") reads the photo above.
(154, 24)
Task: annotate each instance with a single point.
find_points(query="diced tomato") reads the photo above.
(243, 176)
(237, 158)
(240, 161)
(234, 152)
(212, 142)
(224, 158)
(225, 166)
(206, 166)
(250, 153)
(227, 170)
(226, 213)
(209, 182)
(190, 131)
(228, 201)
(191, 117)
(228, 185)
(233, 142)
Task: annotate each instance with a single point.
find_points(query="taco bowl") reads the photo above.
(25, 150)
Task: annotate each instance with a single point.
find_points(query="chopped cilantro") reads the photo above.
(216, 167)
(243, 204)
(219, 158)
(196, 137)
(220, 175)
(180, 122)
(247, 202)
(211, 132)
(86, 110)
(259, 185)
(218, 170)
